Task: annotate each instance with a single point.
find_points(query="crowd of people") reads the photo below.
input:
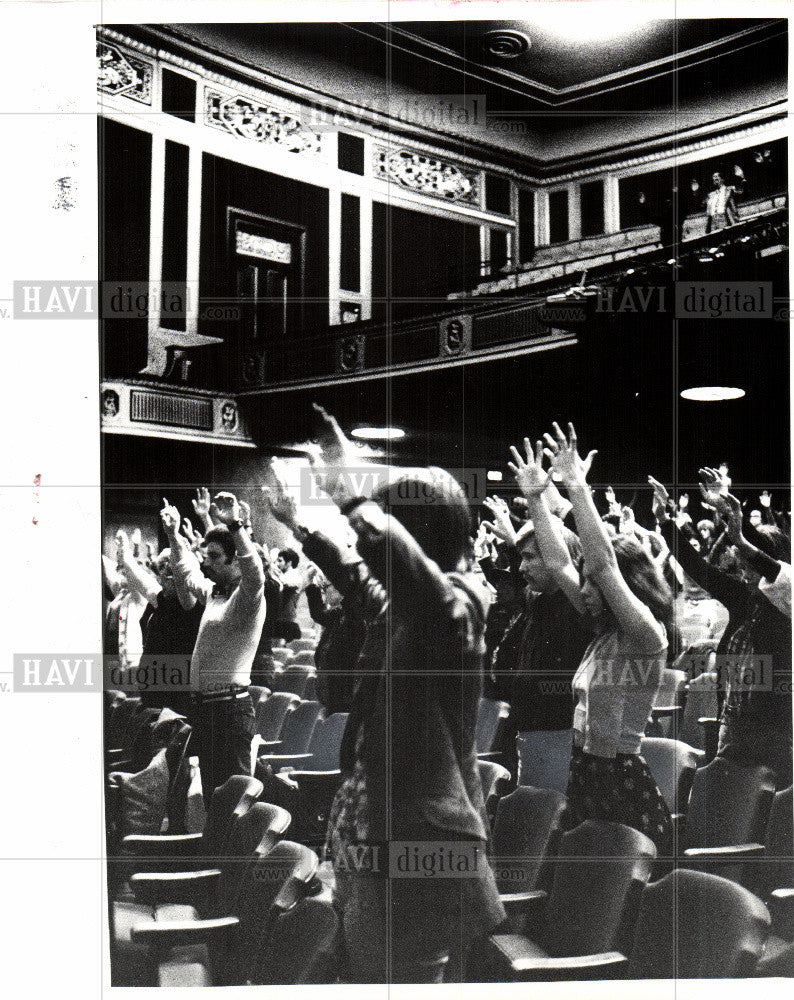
(562, 605)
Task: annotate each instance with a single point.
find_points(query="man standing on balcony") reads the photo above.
(230, 584)
(721, 208)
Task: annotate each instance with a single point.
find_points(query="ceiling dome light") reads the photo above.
(504, 43)
(378, 433)
(712, 393)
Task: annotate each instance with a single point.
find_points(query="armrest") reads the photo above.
(711, 736)
(271, 746)
(178, 932)
(523, 903)
(520, 959)
(156, 845)
(279, 760)
(665, 711)
(781, 908)
(729, 852)
(174, 887)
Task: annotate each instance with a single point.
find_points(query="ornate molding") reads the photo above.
(244, 117)
(123, 75)
(426, 174)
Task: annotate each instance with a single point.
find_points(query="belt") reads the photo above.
(225, 694)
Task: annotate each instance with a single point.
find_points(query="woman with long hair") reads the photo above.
(624, 594)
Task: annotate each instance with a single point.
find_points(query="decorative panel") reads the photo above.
(426, 174)
(248, 119)
(121, 74)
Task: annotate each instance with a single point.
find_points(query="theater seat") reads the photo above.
(211, 892)
(545, 759)
(495, 780)
(727, 817)
(227, 951)
(591, 910)
(693, 925)
(527, 831)
(272, 711)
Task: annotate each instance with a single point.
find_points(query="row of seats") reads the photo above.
(577, 908)
(236, 904)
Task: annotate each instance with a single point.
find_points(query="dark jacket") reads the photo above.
(420, 679)
(534, 664)
(755, 626)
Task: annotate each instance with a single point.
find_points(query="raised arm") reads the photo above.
(343, 567)
(140, 580)
(533, 482)
(729, 592)
(633, 617)
(190, 583)
(252, 574)
(202, 505)
(731, 511)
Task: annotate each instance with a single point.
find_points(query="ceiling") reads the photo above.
(560, 63)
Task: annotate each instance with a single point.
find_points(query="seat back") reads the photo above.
(526, 832)
(693, 925)
(299, 946)
(488, 714)
(673, 765)
(545, 759)
(310, 691)
(282, 655)
(256, 692)
(312, 806)
(270, 714)
(776, 869)
(701, 703)
(494, 780)
(599, 876)
(272, 884)
(729, 804)
(252, 835)
(229, 801)
(296, 732)
(326, 742)
(304, 658)
(293, 679)
(301, 645)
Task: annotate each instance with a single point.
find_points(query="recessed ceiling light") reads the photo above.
(712, 393)
(378, 433)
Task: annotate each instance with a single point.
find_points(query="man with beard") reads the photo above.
(230, 584)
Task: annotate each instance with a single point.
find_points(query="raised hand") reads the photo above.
(683, 501)
(170, 517)
(661, 502)
(627, 522)
(282, 505)
(529, 473)
(565, 457)
(730, 510)
(765, 499)
(226, 508)
(123, 547)
(502, 522)
(338, 454)
(711, 486)
(614, 506)
(202, 503)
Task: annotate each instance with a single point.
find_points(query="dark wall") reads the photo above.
(418, 258)
(125, 171)
(226, 184)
